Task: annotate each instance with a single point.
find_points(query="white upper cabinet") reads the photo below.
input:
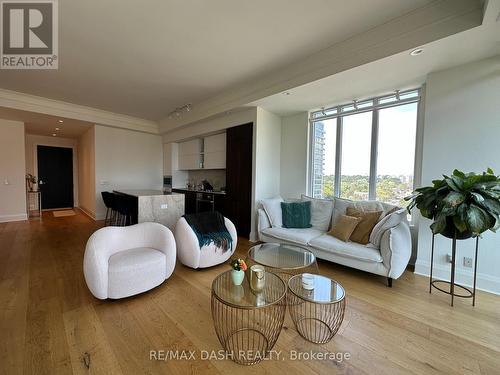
(206, 153)
(215, 151)
(167, 159)
(190, 147)
(189, 154)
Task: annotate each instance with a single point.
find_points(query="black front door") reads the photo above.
(55, 176)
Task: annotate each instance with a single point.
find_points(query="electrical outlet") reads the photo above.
(467, 262)
(164, 206)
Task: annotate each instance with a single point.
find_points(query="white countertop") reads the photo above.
(142, 192)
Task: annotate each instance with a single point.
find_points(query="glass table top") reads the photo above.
(325, 290)
(281, 256)
(243, 296)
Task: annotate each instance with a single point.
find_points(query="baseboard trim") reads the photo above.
(9, 218)
(486, 283)
(87, 213)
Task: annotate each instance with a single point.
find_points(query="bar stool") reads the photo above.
(109, 201)
(124, 205)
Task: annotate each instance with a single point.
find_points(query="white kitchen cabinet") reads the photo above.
(215, 143)
(191, 147)
(187, 162)
(167, 159)
(215, 151)
(189, 154)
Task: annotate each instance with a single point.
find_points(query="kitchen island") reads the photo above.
(156, 206)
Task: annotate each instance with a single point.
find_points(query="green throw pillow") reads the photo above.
(296, 214)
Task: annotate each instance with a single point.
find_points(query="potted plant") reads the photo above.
(238, 273)
(462, 205)
(30, 180)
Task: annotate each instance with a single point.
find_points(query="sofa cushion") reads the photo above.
(272, 206)
(390, 221)
(300, 236)
(347, 249)
(339, 208)
(368, 206)
(296, 214)
(134, 271)
(368, 220)
(321, 212)
(344, 227)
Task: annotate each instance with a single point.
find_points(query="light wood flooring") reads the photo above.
(50, 323)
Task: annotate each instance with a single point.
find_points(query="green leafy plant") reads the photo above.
(461, 205)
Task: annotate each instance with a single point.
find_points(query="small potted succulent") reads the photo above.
(462, 205)
(238, 273)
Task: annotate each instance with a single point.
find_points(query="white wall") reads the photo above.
(267, 149)
(126, 160)
(86, 173)
(294, 155)
(32, 141)
(12, 171)
(462, 130)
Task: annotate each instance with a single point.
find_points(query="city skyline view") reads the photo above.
(395, 154)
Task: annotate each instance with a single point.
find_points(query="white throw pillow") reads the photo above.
(272, 206)
(388, 222)
(339, 208)
(321, 212)
(368, 206)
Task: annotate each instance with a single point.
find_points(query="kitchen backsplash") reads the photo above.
(216, 177)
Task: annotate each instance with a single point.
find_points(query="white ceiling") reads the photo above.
(36, 123)
(400, 71)
(146, 60)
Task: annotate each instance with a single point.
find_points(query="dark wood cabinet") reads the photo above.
(238, 205)
(220, 203)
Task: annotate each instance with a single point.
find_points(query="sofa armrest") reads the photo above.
(263, 222)
(395, 248)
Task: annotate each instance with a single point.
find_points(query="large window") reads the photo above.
(366, 150)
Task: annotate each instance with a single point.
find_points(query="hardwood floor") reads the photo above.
(51, 324)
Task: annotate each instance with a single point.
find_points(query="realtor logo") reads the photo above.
(29, 37)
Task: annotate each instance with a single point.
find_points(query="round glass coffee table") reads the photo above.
(317, 313)
(282, 259)
(248, 323)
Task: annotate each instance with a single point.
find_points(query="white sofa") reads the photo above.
(387, 255)
(123, 261)
(188, 247)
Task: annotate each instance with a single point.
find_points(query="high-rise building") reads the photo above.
(318, 160)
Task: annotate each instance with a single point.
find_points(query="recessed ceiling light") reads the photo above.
(58, 129)
(54, 134)
(416, 51)
(60, 121)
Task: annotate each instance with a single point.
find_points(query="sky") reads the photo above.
(396, 146)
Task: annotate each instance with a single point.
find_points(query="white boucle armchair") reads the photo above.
(123, 261)
(189, 250)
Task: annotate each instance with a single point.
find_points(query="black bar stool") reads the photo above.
(109, 201)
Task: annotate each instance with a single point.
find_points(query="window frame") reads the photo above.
(338, 112)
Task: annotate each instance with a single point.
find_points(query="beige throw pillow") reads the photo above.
(344, 227)
(368, 220)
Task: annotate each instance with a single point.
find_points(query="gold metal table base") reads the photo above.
(248, 323)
